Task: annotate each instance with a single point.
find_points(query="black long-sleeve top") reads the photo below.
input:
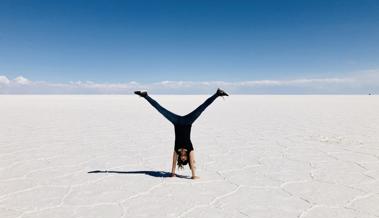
(183, 137)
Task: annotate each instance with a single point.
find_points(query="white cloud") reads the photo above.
(4, 80)
(356, 83)
(22, 80)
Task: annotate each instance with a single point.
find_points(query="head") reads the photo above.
(183, 158)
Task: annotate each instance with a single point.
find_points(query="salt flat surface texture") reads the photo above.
(257, 156)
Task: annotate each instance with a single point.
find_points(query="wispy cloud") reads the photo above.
(21, 80)
(4, 80)
(356, 83)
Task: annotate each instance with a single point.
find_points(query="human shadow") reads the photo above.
(146, 172)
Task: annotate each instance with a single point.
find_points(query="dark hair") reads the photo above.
(182, 163)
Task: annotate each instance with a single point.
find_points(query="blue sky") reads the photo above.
(150, 42)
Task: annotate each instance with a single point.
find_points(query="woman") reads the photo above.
(183, 151)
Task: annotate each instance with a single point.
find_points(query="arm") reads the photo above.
(174, 158)
(193, 165)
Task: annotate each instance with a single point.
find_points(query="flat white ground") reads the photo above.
(257, 156)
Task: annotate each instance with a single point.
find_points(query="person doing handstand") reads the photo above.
(183, 150)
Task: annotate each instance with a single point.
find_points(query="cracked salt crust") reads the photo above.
(257, 156)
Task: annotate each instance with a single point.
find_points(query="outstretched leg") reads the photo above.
(191, 117)
(173, 118)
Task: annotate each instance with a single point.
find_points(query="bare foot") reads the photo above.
(195, 177)
(173, 175)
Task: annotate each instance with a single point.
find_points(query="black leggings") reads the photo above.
(182, 120)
